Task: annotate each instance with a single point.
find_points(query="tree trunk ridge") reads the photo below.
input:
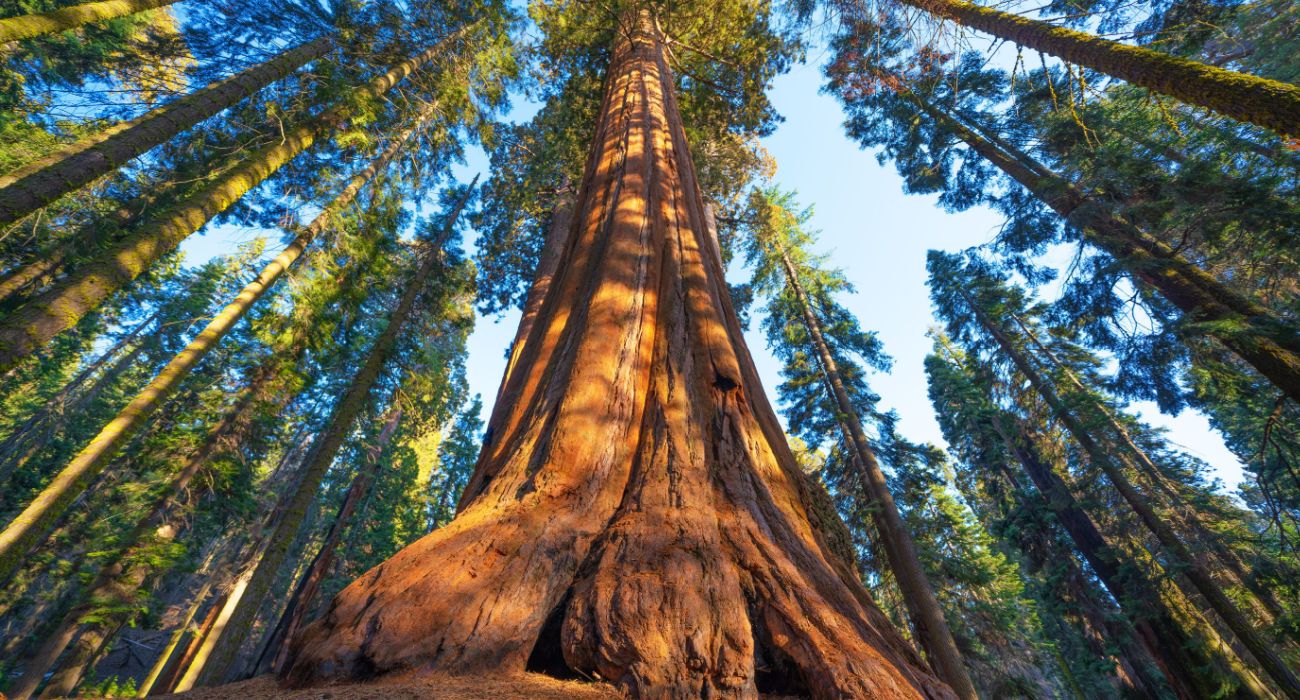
(635, 514)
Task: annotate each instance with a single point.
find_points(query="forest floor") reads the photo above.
(415, 687)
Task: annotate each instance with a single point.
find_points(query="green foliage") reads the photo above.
(110, 687)
(988, 609)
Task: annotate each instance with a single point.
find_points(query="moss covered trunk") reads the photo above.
(29, 528)
(63, 19)
(1253, 332)
(1244, 97)
(636, 514)
(43, 181)
(62, 306)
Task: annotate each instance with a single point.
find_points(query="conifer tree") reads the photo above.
(1248, 98)
(864, 76)
(968, 297)
(608, 337)
(777, 243)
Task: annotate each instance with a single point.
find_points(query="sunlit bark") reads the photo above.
(1242, 96)
(65, 18)
(41, 182)
(636, 514)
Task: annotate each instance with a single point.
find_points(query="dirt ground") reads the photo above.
(415, 687)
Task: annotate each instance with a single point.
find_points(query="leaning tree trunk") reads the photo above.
(61, 20)
(922, 606)
(1244, 97)
(322, 454)
(276, 649)
(1265, 655)
(37, 184)
(28, 529)
(1271, 345)
(61, 307)
(161, 663)
(1212, 550)
(1185, 661)
(635, 510)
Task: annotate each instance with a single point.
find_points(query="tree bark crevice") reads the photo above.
(636, 504)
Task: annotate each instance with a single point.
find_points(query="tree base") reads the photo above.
(528, 686)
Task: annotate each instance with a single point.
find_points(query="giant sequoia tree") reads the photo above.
(208, 473)
(635, 510)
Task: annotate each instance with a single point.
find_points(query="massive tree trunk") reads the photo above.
(636, 514)
(1265, 655)
(1268, 103)
(61, 307)
(1270, 344)
(63, 19)
(28, 529)
(922, 606)
(37, 184)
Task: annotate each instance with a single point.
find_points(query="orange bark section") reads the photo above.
(635, 502)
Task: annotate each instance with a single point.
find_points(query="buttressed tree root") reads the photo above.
(635, 514)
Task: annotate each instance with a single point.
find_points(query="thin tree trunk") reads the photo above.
(276, 652)
(187, 670)
(636, 512)
(1262, 601)
(1181, 658)
(172, 683)
(61, 20)
(35, 274)
(25, 281)
(1263, 652)
(59, 308)
(27, 530)
(326, 447)
(39, 183)
(195, 666)
(1271, 346)
(1268, 103)
(160, 664)
(25, 441)
(918, 595)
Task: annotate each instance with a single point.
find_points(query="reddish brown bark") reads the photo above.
(635, 511)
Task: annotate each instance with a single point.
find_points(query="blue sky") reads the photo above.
(877, 234)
